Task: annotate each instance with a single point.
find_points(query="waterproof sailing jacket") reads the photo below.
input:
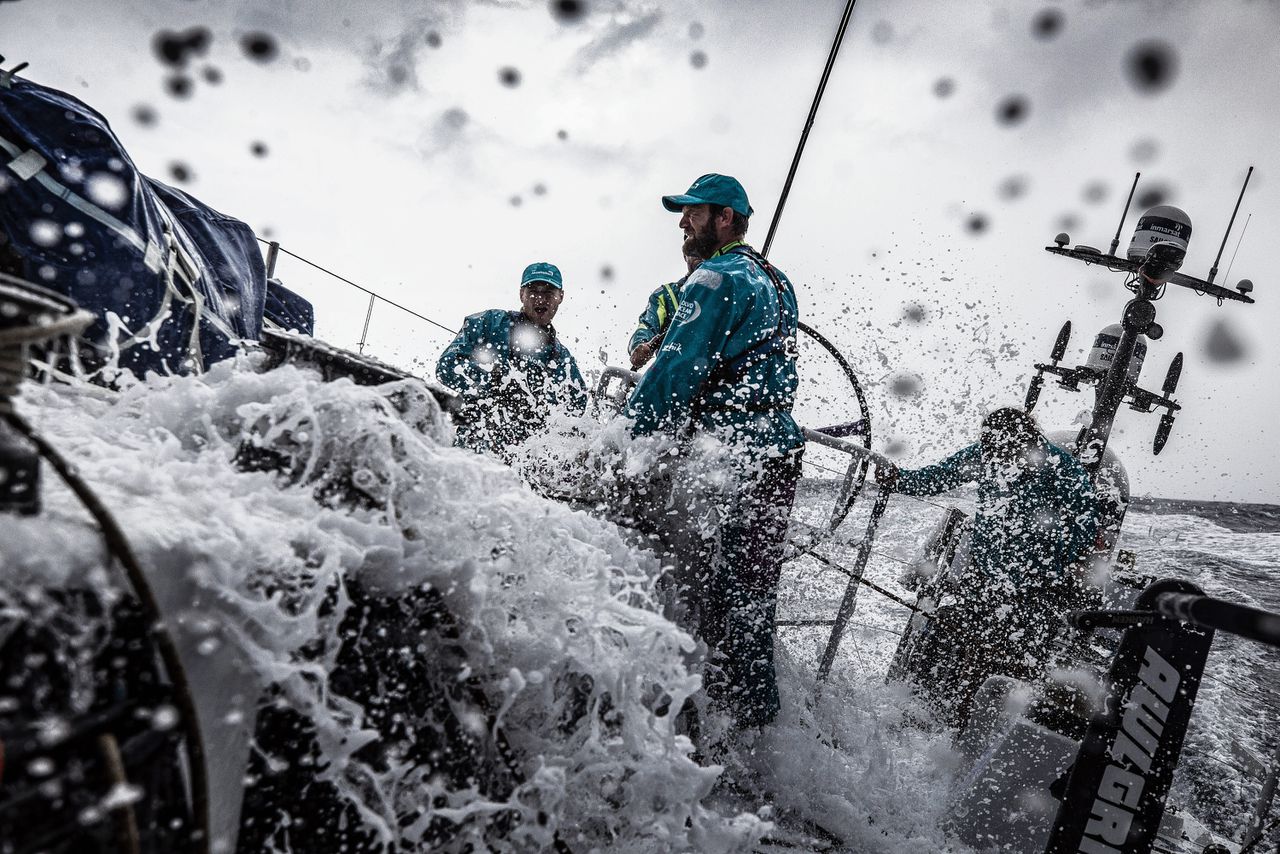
(509, 376)
(728, 362)
(1033, 521)
(657, 315)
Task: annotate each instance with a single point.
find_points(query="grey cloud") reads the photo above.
(392, 64)
(616, 37)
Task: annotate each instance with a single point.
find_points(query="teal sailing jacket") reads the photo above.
(509, 376)
(1029, 526)
(728, 361)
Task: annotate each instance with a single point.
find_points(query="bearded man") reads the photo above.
(727, 369)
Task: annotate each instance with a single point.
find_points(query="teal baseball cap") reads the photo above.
(712, 189)
(541, 271)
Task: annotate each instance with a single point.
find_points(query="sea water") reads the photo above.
(244, 562)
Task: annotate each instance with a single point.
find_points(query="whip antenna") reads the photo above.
(1213, 271)
(1115, 241)
(1247, 220)
(808, 125)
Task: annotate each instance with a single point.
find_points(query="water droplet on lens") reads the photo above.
(1223, 344)
(1047, 23)
(45, 233)
(509, 76)
(258, 149)
(696, 30)
(905, 385)
(1013, 109)
(977, 223)
(914, 312)
(106, 190)
(944, 87)
(259, 46)
(145, 115)
(606, 272)
(165, 718)
(1095, 192)
(433, 39)
(568, 11)
(179, 85)
(1149, 197)
(1013, 187)
(212, 75)
(1151, 66)
(1144, 149)
(698, 59)
(180, 172)
(175, 48)
(882, 32)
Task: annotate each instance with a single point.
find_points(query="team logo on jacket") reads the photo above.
(689, 312)
(709, 279)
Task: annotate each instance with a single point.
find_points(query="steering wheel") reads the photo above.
(830, 400)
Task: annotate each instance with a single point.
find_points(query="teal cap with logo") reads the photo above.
(712, 189)
(541, 271)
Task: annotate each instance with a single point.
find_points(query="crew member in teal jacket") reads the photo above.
(657, 316)
(1032, 534)
(510, 368)
(727, 366)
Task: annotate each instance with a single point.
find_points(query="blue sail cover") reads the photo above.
(184, 282)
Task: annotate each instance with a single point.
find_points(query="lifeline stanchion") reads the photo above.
(364, 333)
(851, 590)
(864, 546)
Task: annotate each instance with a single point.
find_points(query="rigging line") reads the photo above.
(362, 288)
(863, 581)
(808, 126)
(1227, 275)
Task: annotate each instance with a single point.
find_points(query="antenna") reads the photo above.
(1115, 242)
(1243, 232)
(1213, 271)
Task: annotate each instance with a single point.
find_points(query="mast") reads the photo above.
(808, 126)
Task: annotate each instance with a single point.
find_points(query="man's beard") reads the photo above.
(702, 244)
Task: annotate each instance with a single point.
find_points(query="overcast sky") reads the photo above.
(429, 150)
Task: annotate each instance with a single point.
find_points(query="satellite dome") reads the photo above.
(1161, 224)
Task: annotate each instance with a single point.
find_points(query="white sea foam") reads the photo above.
(242, 562)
